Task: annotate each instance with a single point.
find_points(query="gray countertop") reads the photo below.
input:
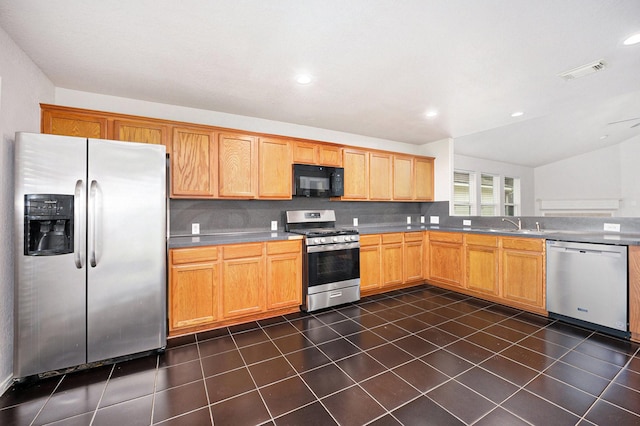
(260, 236)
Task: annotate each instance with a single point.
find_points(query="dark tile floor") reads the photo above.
(412, 357)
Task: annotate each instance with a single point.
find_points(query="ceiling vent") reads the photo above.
(583, 70)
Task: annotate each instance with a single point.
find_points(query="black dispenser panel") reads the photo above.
(48, 224)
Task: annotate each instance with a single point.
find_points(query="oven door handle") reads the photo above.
(333, 247)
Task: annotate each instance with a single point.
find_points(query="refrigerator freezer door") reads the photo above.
(50, 320)
(126, 243)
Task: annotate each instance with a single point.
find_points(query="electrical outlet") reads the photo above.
(195, 228)
(355, 221)
(274, 225)
(408, 220)
(612, 227)
(434, 220)
(421, 219)
(466, 222)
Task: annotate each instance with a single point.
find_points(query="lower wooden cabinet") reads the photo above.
(221, 285)
(193, 287)
(413, 256)
(392, 260)
(482, 258)
(445, 257)
(508, 270)
(370, 263)
(523, 271)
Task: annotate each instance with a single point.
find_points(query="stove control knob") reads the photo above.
(316, 240)
(323, 240)
(335, 239)
(347, 238)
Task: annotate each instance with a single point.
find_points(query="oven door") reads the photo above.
(332, 266)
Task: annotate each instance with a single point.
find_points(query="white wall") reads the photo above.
(586, 178)
(526, 175)
(630, 177)
(442, 150)
(22, 87)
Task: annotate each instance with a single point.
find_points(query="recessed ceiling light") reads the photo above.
(431, 114)
(303, 79)
(517, 114)
(634, 39)
(603, 137)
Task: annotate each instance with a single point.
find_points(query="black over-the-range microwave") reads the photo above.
(317, 181)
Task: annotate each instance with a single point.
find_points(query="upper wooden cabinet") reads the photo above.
(317, 153)
(274, 180)
(62, 121)
(423, 170)
(237, 165)
(141, 131)
(356, 174)
(380, 167)
(403, 178)
(193, 163)
(248, 165)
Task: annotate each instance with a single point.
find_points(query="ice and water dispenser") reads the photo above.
(48, 224)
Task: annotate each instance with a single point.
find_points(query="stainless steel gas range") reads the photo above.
(331, 260)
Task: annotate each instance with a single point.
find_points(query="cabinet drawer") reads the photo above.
(238, 251)
(530, 244)
(369, 240)
(279, 247)
(447, 237)
(391, 238)
(412, 236)
(481, 240)
(193, 255)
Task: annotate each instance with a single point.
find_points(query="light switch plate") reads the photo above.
(434, 220)
(355, 221)
(466, 222)
(421, 219)
(612, 227)
(195, 228)
(274, 225)
(408, 220)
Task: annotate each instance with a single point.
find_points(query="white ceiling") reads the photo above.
(378, 65)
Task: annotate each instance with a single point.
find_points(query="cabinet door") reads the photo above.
(482, 260)
(238, 165)
(356, 174)
(402, 177)
(445, 258)
(380, 176)
(284, 274)
(634, 292)
(413, 255)
(392, 259)
(423, 169)
(370, 262)
(193, 163)
(193, 297)
(329, 155)
(73, 124)
(141, 131)
(243, 289)
(305, 152)
(274, 180)
(523, 277)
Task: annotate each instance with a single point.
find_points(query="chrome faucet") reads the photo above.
(519, 224)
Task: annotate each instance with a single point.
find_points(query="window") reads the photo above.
(462, 193)
(488, 195)
(511, 196)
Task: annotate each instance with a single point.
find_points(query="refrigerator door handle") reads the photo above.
(91, 235)
(79, 223)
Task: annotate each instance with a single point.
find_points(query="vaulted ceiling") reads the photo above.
(377, 66)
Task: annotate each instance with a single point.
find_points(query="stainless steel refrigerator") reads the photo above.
(90, 251)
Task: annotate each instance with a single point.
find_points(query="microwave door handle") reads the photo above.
(79, 223)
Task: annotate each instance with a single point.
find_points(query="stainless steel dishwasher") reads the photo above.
(588, 283)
